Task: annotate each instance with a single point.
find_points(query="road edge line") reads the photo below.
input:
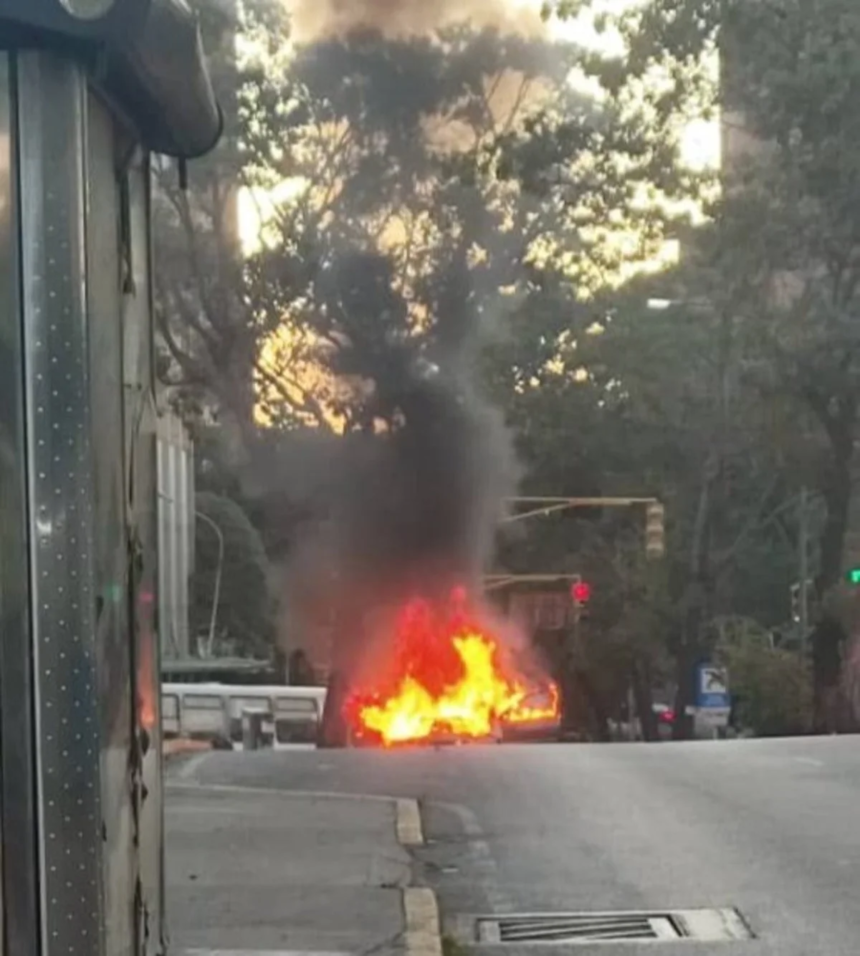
(187, 769)
(423, 931)
(408, 822)
(175, 783)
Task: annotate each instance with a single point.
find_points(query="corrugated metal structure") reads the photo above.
(175, 454)
(87, 88)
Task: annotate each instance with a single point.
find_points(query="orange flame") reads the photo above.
(452, 679)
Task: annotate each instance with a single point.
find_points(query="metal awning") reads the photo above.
(145, 56)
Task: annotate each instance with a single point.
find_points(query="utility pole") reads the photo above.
(803, 562)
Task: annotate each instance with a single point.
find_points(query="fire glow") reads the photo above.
(450, 677)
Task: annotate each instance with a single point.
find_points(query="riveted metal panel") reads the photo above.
(19, 847)
(51, 105)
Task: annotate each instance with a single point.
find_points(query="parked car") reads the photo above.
(665, 720)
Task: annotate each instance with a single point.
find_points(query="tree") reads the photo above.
(407, 148)
(771, 686)
(782, 244)
(213, 318)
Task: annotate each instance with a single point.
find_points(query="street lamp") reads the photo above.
(210, 641)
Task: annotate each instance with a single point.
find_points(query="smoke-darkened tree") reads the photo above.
(369, 144)
(391, 147)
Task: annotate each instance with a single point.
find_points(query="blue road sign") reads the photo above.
(712, 688)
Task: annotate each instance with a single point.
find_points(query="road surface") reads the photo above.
(769, 827)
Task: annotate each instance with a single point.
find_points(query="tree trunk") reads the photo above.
(641, 678)
(689, 653)
(829, 635)
(599, 719)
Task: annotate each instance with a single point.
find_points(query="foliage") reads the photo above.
(777, 261)
(771, 686)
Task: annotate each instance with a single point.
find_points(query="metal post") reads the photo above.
(803, 561)
(216, 596)
(67, 660)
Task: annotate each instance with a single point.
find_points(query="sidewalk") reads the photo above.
(264, 873)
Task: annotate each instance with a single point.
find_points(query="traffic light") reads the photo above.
(795, 602)
(580, 595)
(580, 591)
(655, 531)
(852, 576)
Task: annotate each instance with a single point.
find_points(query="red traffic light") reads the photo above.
(580, 591)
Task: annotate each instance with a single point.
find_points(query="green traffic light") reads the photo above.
(853, 576)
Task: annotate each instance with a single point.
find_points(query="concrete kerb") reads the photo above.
(423, 934)
(423, 928)
(409, 829)
(420, 907)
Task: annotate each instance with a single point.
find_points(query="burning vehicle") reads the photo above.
(449, 678)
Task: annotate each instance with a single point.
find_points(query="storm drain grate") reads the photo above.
(701, 925)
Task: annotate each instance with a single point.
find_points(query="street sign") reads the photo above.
(712, 688)
(713, 718)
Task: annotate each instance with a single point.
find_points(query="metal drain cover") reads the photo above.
(700, 925)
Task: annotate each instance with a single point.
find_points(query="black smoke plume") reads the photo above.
(419, 502)
(406, 502)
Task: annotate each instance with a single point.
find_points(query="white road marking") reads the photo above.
(809, 761)
(190, 766)
(257, 952)
(193, 786)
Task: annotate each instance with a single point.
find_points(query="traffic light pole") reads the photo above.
(803, 561)
(545, 506)
(494, 581)
(654, 514)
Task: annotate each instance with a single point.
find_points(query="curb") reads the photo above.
(423, 936)
(423, 933)
(408, 823)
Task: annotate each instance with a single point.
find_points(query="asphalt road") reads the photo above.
(769, 827)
